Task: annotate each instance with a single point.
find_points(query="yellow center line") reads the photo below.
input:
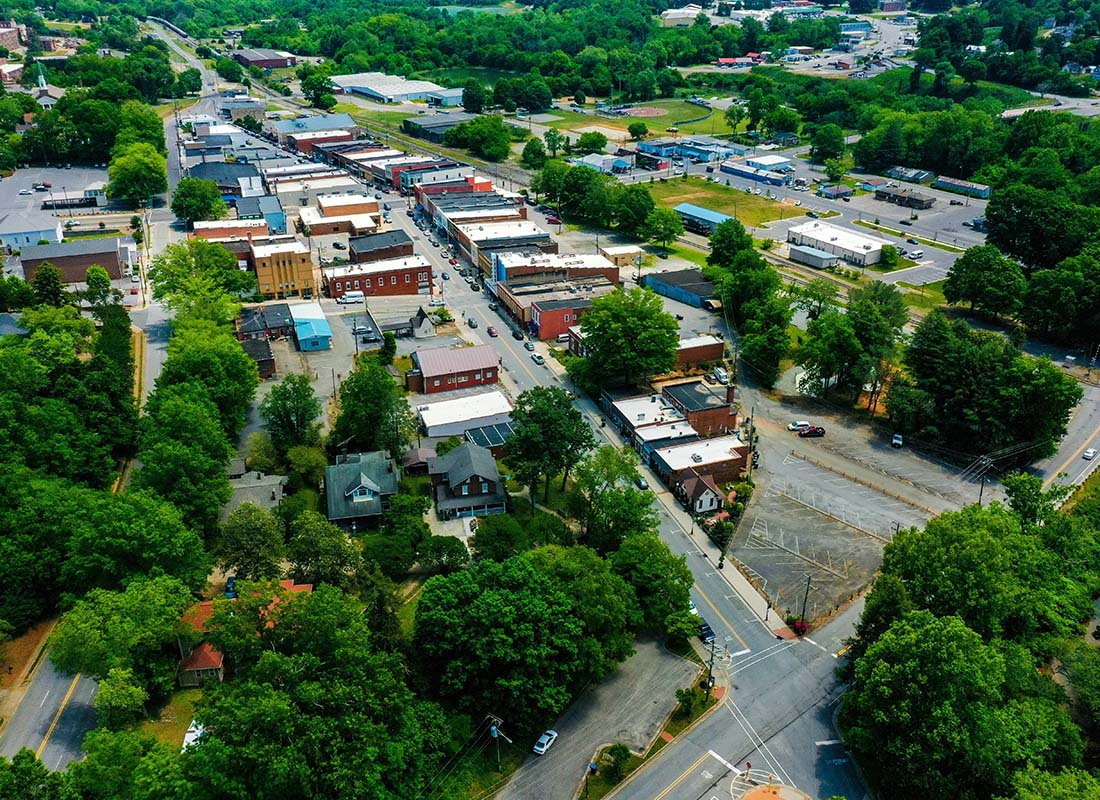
(1076, 455)
(521, 359)
(680, 780)
(57, 716)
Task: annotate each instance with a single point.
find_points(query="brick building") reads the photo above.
(548, 308)
(708, 411)
(399, 276)
(264, 58)
(283, 269)
(440, 369)
(509, 266)
(73, 258)
(381, 246)
(230, 229)
(699, 350)
(305, 141)
(722, 458)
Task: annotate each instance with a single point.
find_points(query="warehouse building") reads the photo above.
(769, 163)
(685, 286)
(700, 220)
(908, 198)
(264, 58)
(963, 187)
(812, 257)
(754, 173)
(433, 126)
(386, 88)
(848, 245)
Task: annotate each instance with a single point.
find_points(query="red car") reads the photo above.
(811, 432)
(453, 261)
(553, 221)
(134, 290)
(492, 331)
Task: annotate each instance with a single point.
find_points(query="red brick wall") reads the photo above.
(699, 355)
(381, 284)
(460, 380)
(713, 421)
(553, 323)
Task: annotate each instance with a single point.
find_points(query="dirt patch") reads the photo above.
(612, 134)
(645, 111)
(19, 654)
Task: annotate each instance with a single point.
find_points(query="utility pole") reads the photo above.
(710, 670)
(805, 598)
(497, 734)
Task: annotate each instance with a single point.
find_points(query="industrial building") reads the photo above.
(852, 247)
(386, 88)
(684, 285)
(264, 58)
(700, 220)
(769, 162)
(812, 257)
(433, 126)
(754, 173)
(963, 187)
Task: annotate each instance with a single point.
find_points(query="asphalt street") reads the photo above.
(53, 718)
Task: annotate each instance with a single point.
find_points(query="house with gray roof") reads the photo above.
(358, 488)
(467, 483)
(73, 258)
(18, 229)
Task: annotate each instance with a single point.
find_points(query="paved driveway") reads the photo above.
(628, 707)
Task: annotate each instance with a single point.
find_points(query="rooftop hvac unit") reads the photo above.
(653, 398)
(698, 459)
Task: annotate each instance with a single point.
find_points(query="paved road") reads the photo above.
(53, 718)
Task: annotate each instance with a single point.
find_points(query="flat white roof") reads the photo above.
(556, 261)
(838, 237)
(345, 200)
(384, 84)
(700, 341)
(266, 250)
(306, 311)
(480, 213)
(374, 267)
(447, 412)
(489, 231)
(623, 250)
(768, 161)
(311, 216)
(666, 430)
(211, 224)
(647, 410)
(710, 451)
(366, 154)
(286, 187)
(308, 135)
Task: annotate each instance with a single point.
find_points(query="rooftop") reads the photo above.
(357, 483)
(695, 396)
(494, 231)
(691, 279)
(442, 121)
(304, 311)
(76, 247)
(311, 216)
(337, 200)
(544, 292)
(475, 406)
(279, 248)
(556, 261)
(704, 451)
(464, 462)
(451, 360)
(623, 250)
(374, 267)
(490, 435)
(325, 122)
(213, 224)
(647, 410)
(700, 341)
(691, 210)
(383, 84)
(769, 161)
(261, 204)
(841, 237)
(378, 241)
(679, 429)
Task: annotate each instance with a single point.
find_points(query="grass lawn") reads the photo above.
(411, 590)
(175, 718)
(926, 298)
(385, 119)
(752, 209)
(903, 263)
(457, 76)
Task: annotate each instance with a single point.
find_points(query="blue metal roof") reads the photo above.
(687, 209)
(310, 328)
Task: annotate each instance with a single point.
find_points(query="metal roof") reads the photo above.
(453, 360)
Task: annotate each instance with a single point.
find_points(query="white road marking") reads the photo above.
(47, 694)
(827, 742)
(724, 763)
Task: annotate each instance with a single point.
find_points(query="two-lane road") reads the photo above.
(55, 714)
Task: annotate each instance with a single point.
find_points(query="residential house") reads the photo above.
(358, 488)
(700, 494)
(467, 483)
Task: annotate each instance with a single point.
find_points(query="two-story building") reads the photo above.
(358, 488)
(381, 246)
(467, 483)
(441, 369)
(399, 276)
(708, 411)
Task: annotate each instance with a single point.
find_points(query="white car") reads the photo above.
(799, 425)
(1089, 454)
(545, 742)
(692, 608)
(25, 191)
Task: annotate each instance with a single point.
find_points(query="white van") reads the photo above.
(915, 254)
(563, 338)
(721, 376)
(351, 297)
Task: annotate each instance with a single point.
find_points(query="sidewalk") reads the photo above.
(738, 582)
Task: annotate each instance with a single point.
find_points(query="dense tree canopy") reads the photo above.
(628, 335)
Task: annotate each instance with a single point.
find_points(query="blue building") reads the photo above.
(685, 286)
(700, 220)
(266, 207)
(311, 329)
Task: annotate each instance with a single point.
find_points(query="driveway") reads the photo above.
(629, 707)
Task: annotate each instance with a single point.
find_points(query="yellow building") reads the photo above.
(283, 269)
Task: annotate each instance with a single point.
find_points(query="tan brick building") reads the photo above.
(284, 269)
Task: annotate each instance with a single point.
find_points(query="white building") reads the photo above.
(455, 417)
(853, 247)
(18, 230)
(385, 88)
(770, 163)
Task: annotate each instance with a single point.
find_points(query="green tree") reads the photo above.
(735, 115)
(763, 349)
(534, 154)
(817, 297)
(835, 170)
(728, 239)
(591, 142)
(830, 354)
(661, 580)
(26, 777)
(229, 69)
(499, 538)
(319, 552)
(1069, 784)
(137, 173)
(290, 413)
(638, 130)
(474, 96)
(827, 143)
(443, 554)
(132, 630)
(172, 272)
(987, 280)
(120, 700)
(661, 225)
(251, 543)
(198, 199)
(317, 86)
(189, 81)
(633, 208)
(555, 141)
(373, 414)
(501, 634)
(603, 470)
(98, 286)
(486, 136)
(972, 70)
(549, 437)
(615, 767)
(48, 287)
(628, 335)
(783, 120)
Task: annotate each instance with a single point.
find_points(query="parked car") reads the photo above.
(545, 742)
(812, 214)
(692, 609)
(453, 261)
(492, 331)
(339, 246)
(25, 191)
(812, 432)
(446, 276)
(526, 345)
(799, 425)
(436, 302)
(553, 221)
(471, 322)
(386, 207)
(897, 441)
(641, 483)
(134, 290)
(706, 633)
(475, 286)
(538, 359)
(409, 212)
(911, 240)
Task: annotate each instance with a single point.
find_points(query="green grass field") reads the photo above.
(926, 297)
(752, 209)
(174, 719)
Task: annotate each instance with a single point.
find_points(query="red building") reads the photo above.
(411, 275)
(263, 58)
(441, 369)
(708, 411)
(699, 350)
(554, 318)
